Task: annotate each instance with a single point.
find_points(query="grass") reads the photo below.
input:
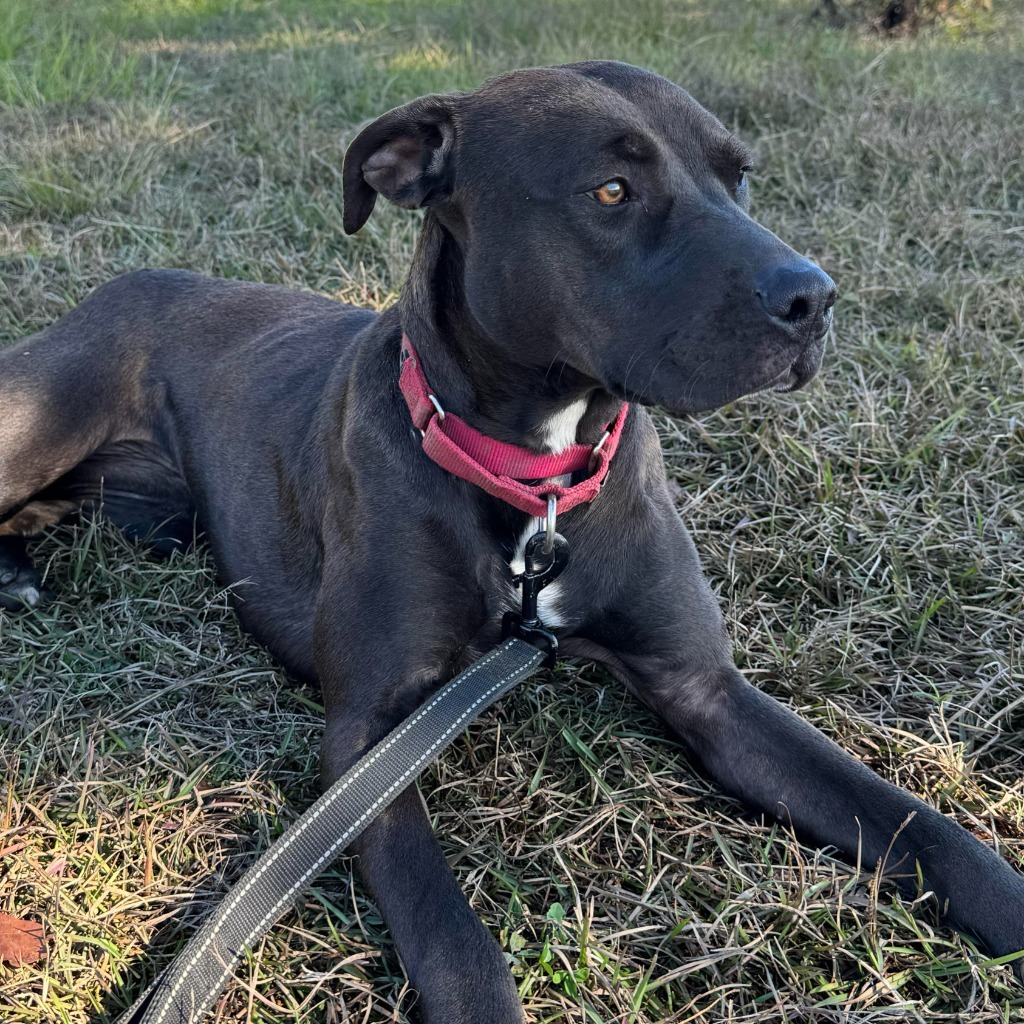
(865, 535)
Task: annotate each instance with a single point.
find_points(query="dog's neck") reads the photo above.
(543, 408)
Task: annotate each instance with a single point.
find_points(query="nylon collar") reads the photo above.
(495, 466)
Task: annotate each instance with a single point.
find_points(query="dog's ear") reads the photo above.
(405, 155)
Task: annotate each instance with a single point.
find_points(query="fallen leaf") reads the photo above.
(21, 942)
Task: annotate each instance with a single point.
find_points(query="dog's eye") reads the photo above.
(611, 193)
(741, 181)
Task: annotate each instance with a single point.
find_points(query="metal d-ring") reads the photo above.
(437, 406)
(549, 537)
(597, 448)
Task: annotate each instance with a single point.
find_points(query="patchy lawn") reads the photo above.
(866, 536)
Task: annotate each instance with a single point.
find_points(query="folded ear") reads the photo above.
(405, 155)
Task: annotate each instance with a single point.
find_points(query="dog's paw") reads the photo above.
(21, 586)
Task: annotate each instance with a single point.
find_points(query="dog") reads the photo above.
(585, 252)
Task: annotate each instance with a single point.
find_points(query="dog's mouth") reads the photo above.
(730, 383)
(802, 369)
(788, 380)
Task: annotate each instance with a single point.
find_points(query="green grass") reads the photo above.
(865, 535)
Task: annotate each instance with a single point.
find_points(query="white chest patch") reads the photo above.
(559, 431)
(556, 432)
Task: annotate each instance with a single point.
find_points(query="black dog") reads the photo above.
(585, 243)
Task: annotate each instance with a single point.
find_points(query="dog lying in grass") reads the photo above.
(586, 252)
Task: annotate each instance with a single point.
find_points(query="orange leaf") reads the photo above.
(21, 942)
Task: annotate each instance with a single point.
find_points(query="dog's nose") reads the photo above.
(798, 296)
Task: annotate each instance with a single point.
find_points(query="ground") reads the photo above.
(865, 536)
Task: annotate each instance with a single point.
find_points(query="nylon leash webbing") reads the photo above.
(189, 987)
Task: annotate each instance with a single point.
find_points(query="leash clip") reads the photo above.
(544, 565)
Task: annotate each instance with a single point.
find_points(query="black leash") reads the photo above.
(189, 987)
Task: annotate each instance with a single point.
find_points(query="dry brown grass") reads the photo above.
(866, 535)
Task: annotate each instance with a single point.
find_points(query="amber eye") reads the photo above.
(611, 192)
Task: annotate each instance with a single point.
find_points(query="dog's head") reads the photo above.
(601, 215)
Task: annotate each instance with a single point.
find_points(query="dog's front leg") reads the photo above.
(376, 666)
(664, 637)
(452, 961)
(761, 752)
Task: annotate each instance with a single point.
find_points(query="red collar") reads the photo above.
(495, 466)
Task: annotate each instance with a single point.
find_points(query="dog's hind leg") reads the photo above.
(64, 394)
(133, 484)
(69, 390)
(137, 486)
